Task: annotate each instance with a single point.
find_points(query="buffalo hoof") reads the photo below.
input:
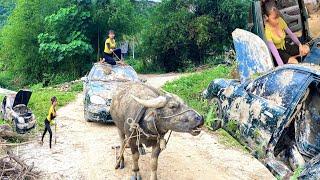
(120, 165)
(136, 177)
(142, 151)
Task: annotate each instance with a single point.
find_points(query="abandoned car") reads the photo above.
(275, 112)
(276, 115)
(99, 87)
(14, 108)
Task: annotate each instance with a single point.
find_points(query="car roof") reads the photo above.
(305, 67)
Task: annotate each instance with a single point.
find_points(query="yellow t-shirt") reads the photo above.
(112, 44)
(51, 114)
(279, 42)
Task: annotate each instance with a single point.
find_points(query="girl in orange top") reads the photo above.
(275, 31)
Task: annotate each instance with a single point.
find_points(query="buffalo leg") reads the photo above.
(154, 161)
(120, 164)
(135, 157)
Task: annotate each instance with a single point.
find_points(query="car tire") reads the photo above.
(14, 125)
(217, 123)
(86, 116)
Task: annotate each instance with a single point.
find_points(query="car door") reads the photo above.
(272, 97)
(252, 54)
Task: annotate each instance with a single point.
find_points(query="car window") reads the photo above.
(116, 73)
(286, 3)
(91, 72)
(279, 87)
(98, 73)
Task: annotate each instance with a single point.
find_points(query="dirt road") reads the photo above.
(83, 151)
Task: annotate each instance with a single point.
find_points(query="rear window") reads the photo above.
(116, 73)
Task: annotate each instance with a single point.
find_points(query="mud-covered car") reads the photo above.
(277, 116)
(99, 87)
(14, 107)
(275, 112)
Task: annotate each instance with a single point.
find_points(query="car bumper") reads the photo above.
(22, 128)
(99, 113)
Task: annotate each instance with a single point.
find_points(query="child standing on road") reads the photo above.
(49, 120)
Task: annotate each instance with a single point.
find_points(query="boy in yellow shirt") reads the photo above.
(110, 50)
(49, 120)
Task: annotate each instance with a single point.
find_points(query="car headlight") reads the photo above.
(21, 120)
(97, 100)
(205, 94)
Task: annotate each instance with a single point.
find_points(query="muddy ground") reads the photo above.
(83, 151)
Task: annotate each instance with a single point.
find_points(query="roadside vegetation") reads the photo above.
(190, 87)
(51, 42)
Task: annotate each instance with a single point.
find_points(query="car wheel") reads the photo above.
(86, 117)
(217, 121)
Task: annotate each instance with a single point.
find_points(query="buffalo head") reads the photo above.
(169, 112)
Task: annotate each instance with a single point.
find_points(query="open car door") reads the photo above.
(252, 54)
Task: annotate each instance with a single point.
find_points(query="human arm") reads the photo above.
(275, 53)
(293, 37)
(109, 47)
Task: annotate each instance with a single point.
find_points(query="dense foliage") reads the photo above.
(53, 41)
(186, 32)
(6, 7)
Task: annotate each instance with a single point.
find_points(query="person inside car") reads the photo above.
(276, 30)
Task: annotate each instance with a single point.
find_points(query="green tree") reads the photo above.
(64, 45)
(183, 33)
(20, 48)
(45, 39)
(6, 7)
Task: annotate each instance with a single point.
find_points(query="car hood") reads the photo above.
(102, 89)
(22, 97)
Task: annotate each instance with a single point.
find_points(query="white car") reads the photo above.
(14, 108)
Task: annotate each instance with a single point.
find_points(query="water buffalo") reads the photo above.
(155, 113)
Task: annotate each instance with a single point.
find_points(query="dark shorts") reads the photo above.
(110, 58)
(291, 50)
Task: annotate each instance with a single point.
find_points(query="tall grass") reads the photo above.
(189, 88)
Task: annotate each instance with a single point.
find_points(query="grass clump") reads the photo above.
(40, 99)
(190, 87)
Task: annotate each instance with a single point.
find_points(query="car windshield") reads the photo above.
(116, 73)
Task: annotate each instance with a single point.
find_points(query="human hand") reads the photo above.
(304, 49)
(52, 123)
(111, 50)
